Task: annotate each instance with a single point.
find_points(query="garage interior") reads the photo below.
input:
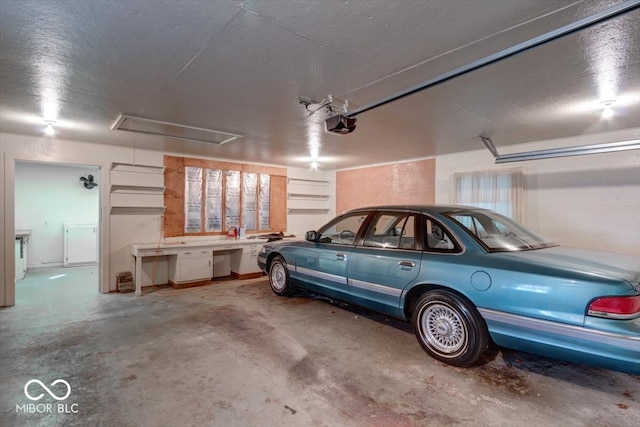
(138, 94)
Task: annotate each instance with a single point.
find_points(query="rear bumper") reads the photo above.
(614, 345)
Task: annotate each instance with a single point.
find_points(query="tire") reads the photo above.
(449, 328)
(279, 277)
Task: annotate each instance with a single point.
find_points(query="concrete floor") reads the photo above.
(234, 354)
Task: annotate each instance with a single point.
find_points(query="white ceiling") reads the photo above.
(241, 66)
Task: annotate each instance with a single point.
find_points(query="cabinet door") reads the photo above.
(249, 263)
(194, 265)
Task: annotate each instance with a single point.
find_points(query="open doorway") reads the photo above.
(57, 222)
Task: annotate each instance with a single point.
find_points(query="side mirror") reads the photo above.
(311, 236)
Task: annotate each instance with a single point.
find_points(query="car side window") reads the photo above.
(343, 230)
(472, 224)
(393, 231)
(437, 238)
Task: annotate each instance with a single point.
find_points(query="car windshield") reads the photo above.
(498, 233)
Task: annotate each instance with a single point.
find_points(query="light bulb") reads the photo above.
(607, 112)
(49, 130)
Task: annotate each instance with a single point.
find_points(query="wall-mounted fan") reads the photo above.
(88, 182)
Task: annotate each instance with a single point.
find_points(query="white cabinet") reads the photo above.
(244, 262)
(22, 237)
(191, 265)
(80, 244)
(21, 261)
(196, 263)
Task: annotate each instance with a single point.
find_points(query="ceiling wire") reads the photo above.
(548, 37)
(448, 52)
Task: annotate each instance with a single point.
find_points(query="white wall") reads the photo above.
(46, 197)
(590, 201)
(118, 231)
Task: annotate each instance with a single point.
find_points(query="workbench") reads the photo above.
(192, 261)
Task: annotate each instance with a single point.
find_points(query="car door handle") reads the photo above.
(341, 257)
(409, 264)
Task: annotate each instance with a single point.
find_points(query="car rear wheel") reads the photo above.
(279, 277)
(449, 328)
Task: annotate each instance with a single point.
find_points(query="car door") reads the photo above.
(386, 262)
(322, 265)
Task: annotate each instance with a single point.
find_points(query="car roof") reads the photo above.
(435, 209)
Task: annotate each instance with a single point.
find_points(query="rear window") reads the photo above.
(498, 233)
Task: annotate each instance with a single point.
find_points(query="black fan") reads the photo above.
(88, 182)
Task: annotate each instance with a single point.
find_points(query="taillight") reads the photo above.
(615, 307)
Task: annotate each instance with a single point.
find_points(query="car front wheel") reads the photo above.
(449, 328)
(279, 277)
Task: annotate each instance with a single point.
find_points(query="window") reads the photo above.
(498, 233)
(246, 200)
(343, 230)
(207, 197)
(438, 239)
(500, 191)
(392, 230)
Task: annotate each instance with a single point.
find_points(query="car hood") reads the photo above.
(582, 261)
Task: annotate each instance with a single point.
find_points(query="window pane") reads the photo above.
(213, 206)
(265, 201)
(392, 231)
(437, 238)
(250, 200)
(499, 233)
(232, 199)
(192, 199)
(408, 236)
(342, 231)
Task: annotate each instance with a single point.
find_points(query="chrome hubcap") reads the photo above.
(278, 277)
(443, 328)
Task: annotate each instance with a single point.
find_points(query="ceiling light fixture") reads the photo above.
(49, 130)
(607, 112)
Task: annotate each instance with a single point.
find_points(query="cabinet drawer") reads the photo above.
(195, 253)
(164, 252)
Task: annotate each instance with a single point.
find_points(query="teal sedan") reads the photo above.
(464, 277)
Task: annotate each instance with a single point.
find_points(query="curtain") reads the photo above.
(500, 191)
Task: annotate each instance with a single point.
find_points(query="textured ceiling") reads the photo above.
(241, 66)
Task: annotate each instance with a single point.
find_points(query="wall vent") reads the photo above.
(173, 130)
